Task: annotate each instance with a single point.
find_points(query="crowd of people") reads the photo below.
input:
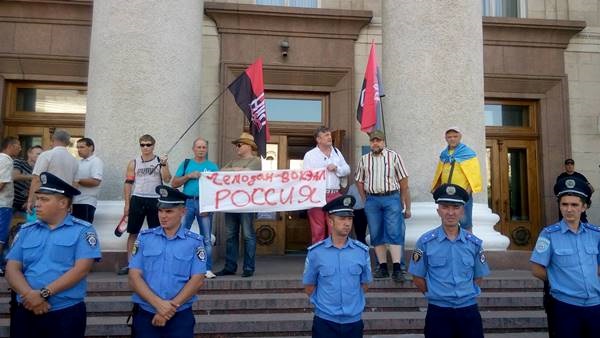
(52, 254)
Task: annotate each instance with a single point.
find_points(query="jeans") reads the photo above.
(386, 221)
(232, 225)
(467, 221)
(204, 225)
(6, 214)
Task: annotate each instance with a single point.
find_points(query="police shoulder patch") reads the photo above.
(360, 245)
(591, 227)
(91, 238)
(542, 244)
(417, 255)
(315, 245)
(136, 246)
(482, 258)
(201, 253)
(552, 228)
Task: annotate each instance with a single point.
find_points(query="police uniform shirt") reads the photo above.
(46, 254)
(338, 275)
(449, 267)
(571, 260)
(167, 264)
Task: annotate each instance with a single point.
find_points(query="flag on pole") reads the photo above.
(369, 112)
(248, 91)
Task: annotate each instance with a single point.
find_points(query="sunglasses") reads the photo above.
(146, 145)
(239, 145)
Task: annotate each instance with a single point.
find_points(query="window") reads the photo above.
(507, 8)
(506, 115)
(290, 3)
(295, 110)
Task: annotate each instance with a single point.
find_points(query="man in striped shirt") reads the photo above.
(382, 181)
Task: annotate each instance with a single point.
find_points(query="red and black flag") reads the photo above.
(248, 91)
(370, 112)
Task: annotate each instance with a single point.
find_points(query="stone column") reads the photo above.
(433, 78)
(144, 78)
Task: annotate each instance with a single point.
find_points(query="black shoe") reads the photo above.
(381, 273)
(397, 276)
(225, 273)
(247, 273)
(123, 271)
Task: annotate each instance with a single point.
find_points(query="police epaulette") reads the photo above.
(552, 228)
(82, 222)
(428, 236)
(315, 245)
(591, 227)
(194, 235)
(146, 231)
(360, 245)
(473, 239)
(25, 225)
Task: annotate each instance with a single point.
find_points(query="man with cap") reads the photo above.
(459, 165)
(382, 181)
(566, 255)
(166, 272)
(448, 265)
(48, 263)
(337, 272)
(246, 160)
(571, 173)
(325, 155)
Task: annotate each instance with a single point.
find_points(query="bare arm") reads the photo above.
(365, 287)
(539, 271)
(19, 176)
(89, 182)
(165, 173)
(478, 281)
(35, 185)
(2, 185)
(405, 192)
(178, 181)
(129, 175)
(360, 186)
(420, 283)
(163, 307)
(15, 277)
(309, 289)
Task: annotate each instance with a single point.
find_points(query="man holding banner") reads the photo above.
(325, 155)
(247, 160)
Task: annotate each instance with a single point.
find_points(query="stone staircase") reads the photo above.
(274, 305)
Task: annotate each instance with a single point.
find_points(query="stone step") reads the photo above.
(299, 302)
(278, 324)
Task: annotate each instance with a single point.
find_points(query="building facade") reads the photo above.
(114, 70)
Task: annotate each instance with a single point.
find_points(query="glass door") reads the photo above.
(42, 136)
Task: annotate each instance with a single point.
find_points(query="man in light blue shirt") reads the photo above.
(48, 263)
(566, 255)
(448, 265)
(337, 272)
(187, 175)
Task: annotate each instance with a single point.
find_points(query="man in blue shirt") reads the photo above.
(337, 272)
(566, 255)
(447, 266)
(187, 175)
(166, 271)
(47, 266)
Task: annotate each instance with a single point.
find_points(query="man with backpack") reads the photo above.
(187, 176)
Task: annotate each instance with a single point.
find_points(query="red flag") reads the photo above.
(369, 112)
(248, 91)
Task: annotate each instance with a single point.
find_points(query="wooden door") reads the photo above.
(513, 191)
(37, 135)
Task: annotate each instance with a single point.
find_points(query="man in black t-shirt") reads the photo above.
(570, 172)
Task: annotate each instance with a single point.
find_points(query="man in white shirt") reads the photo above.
(57, 161)
(11, 147)
(87, 180)
(325, 155)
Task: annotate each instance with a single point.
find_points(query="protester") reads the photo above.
(325, 155)
(87, 180)
(144, 174)
(22, 175)
(187, 174)
(47, 266)
(167, 270)
(11, 147)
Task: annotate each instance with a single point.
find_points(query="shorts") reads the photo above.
(140, 208)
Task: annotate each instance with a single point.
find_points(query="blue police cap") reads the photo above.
(572, 186)
(341, 206)
(169, 197)
(51, 184)
(450, 194)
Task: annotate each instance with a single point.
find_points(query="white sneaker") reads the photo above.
(210, 275)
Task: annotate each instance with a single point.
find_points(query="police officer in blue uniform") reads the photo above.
(566, 255)
(47, 266)
(337, 272)
(166, 271)
(447, 265)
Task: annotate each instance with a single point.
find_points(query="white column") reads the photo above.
(144, 78)
(433, 78)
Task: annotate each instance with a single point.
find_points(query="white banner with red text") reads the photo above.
(262, 191)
